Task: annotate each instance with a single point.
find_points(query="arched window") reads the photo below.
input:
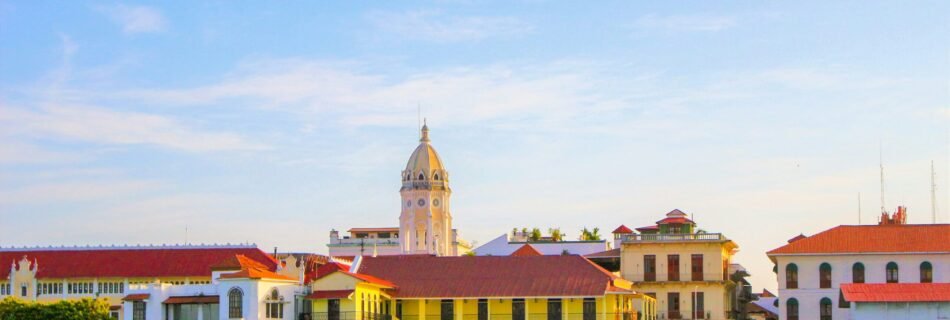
(436, 177)
(791, 276)
(275, 305)
(235, 303)
(857, 273)
(926, 272)
(791, 309)
(824, 276)
(421, 176)
(892, 276)
(825, 310)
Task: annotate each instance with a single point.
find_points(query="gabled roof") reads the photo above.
(490, 276)
(872, 239)
(237, 262)
(622, 229)
(130, 262)
(675, 220)
(526, 250)
(896, 292)
(255, 273)
(361, 277)
(248, 269)
(612, 253)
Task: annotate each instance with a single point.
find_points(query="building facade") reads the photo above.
(811, 270)
(474, 288)
(425, 218)
(685, 271)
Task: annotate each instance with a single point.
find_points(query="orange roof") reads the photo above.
(872, 239)
(254, 273)
(896, 292)
(360, 276)
(136, 297)
(237, 262)
(622, 229)
(612, 253)
(249, 269)
(525, 251)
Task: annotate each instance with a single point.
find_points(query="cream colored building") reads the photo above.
(425, 219)
(685, 270)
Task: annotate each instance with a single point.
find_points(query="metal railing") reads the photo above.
(345, 315)
(674, 237)
(683, 277)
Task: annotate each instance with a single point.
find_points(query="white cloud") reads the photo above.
(436, 26)
(686, 22)
(136, 19)
(99, 125)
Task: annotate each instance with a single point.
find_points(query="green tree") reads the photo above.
(85, 309)
(556, 234)
(535, 235)
(590, 235)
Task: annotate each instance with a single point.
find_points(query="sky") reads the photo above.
(275, 122)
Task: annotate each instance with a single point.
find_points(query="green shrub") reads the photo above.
(85, 309)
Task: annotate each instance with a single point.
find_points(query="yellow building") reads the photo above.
(423, 287)
(686, 270)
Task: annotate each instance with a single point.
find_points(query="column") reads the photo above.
(422, 309)
(459, 308)
(429, 235)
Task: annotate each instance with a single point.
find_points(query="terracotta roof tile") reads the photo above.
(489, 276)
(896, 292)
(136, 297)
(132, 262)
(622, 229)
(525, 251)
(612, 253)
(679, 220)
(873, 239)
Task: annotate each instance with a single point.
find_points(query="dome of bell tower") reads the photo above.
(425, 168)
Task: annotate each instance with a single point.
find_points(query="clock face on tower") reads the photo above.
(422, 202)
(435, 202)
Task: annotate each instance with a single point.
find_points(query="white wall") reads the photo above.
(809, 294)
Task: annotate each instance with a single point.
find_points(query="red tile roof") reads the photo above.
(622, 229)
(526, 250)
(896, 292)
(648, 228)
(131, 262)
(191, 299)
(490, 276)
(255, 273)
(612, 253)
(237, 262)
(873, 239)
(136, 297)
(679, 220)
(330, 294)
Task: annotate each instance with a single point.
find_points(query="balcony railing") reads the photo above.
(677, 237)
(684, 277)
(527, 316)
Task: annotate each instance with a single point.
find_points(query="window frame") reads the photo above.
(892, 272)
(926, 269)
(825, 309)
(791, 276)
(235, 312)
(854, 273)
(673, 267)
(824, 275)
(789, 304)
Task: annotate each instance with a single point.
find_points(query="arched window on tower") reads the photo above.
(436, 177)
(926, 272)
(791, 276)
(825, 309)
(791, 309)
(235, 303)
(824, 276)
(857, 273)
(892, 275)
(421, 176)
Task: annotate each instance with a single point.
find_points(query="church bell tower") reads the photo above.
(425, 221)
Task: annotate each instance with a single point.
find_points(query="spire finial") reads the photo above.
(425, 131)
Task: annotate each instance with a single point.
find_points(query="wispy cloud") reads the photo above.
(707, 23)
(440, 27)
(136, 19)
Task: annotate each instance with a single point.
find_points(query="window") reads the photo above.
(857, 273)
(699, 308)
(49, 288)
(79, 288)
(23, 290)
(482, 309)
(674, 229)
(791, 309)
(554, 309)
(436, 177)
(138, 310)
(590, 309)
(824, 276)
(926, 272)
(274, 305)
(791, 276)
(111, 287)
(235, 303)
(825, 309)
(649, 267)
(333, 309)
(4, 289)
(398, 308)
(114, 315)
(361, 235)
(673, 267)
(696, 265)
(448, 310)
(517, 309)
(421, 176)
(673, 305)
(892, 276)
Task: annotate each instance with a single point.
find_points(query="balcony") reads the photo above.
(365, 242)
(678, 237)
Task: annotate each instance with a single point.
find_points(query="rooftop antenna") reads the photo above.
(933, 192)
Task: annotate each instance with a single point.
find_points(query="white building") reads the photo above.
(425, 219)
(907, 301)
(811, 270)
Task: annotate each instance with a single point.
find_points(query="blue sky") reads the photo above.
(275, 122)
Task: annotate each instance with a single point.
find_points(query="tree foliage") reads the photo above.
(85, 309)
(556, 234)
(590, 234)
